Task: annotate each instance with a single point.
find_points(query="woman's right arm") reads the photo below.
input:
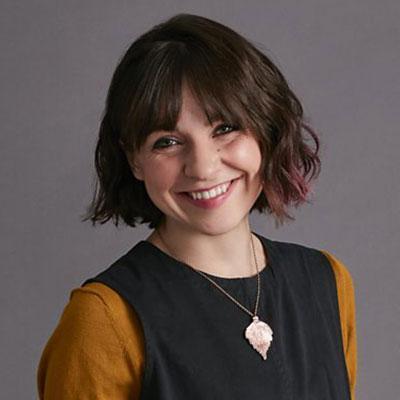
(96, 350)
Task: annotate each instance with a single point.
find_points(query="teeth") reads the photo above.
(209, 194)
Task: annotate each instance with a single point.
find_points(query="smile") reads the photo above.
(210, 194)
(213, 198)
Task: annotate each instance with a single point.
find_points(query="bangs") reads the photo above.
(157, 98)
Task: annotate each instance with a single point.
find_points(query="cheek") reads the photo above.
(247, 154)
(159, 177)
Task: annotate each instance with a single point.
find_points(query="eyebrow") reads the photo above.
(214, 122)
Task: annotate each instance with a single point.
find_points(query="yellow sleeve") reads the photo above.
(96, 350)
(345, 291)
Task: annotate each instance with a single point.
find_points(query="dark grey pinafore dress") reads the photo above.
(194, 335)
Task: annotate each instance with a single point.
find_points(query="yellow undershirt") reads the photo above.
(97, 348)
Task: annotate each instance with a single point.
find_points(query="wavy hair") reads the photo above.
(233, 81)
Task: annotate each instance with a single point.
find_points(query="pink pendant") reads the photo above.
(259, 334)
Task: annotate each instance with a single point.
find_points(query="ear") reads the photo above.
(135, 165)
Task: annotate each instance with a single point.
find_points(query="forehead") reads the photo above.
(185, 99)
(192, 111)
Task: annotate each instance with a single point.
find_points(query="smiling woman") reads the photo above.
(232, 82)
(180, 177)
(200, 129)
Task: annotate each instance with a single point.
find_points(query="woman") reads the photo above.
(200, 129)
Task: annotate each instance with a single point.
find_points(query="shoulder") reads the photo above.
(342, 274)
(299, 260)
(96, 316)
(98, 303)
(320, 267)
(96, 329)
(312, 256)
(344, 286)
(287, 250)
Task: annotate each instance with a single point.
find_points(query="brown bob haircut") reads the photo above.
(233, 81)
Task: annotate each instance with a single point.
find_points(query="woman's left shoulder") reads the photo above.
(341, 272)
(314, 256)
(321, 264)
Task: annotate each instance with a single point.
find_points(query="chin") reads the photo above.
(216, 227)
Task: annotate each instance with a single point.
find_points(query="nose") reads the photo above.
(202, 161)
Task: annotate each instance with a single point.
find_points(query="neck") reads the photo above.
(227, 255)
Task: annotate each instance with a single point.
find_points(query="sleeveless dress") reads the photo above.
(194, 335)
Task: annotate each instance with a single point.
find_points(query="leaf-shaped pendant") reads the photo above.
(259, 334)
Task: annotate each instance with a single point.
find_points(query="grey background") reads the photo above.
(342, 60)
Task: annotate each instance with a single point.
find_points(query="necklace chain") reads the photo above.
(254, 314)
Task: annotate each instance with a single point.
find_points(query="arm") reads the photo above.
(96, 350)
(345, 291)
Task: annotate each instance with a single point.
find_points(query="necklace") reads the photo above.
(258, 333)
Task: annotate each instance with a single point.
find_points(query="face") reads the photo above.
(194, 157)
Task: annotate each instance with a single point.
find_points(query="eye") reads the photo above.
(167, 142)
(164, 143)
(226, 128)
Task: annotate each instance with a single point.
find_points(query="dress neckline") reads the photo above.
(217, 278)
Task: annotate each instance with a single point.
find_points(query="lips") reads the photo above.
(210, 188)
(212, 203)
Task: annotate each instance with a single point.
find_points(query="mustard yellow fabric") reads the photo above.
(97, 349)
(347, 310)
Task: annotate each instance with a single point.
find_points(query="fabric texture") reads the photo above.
(98, 347)
(347, 309)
